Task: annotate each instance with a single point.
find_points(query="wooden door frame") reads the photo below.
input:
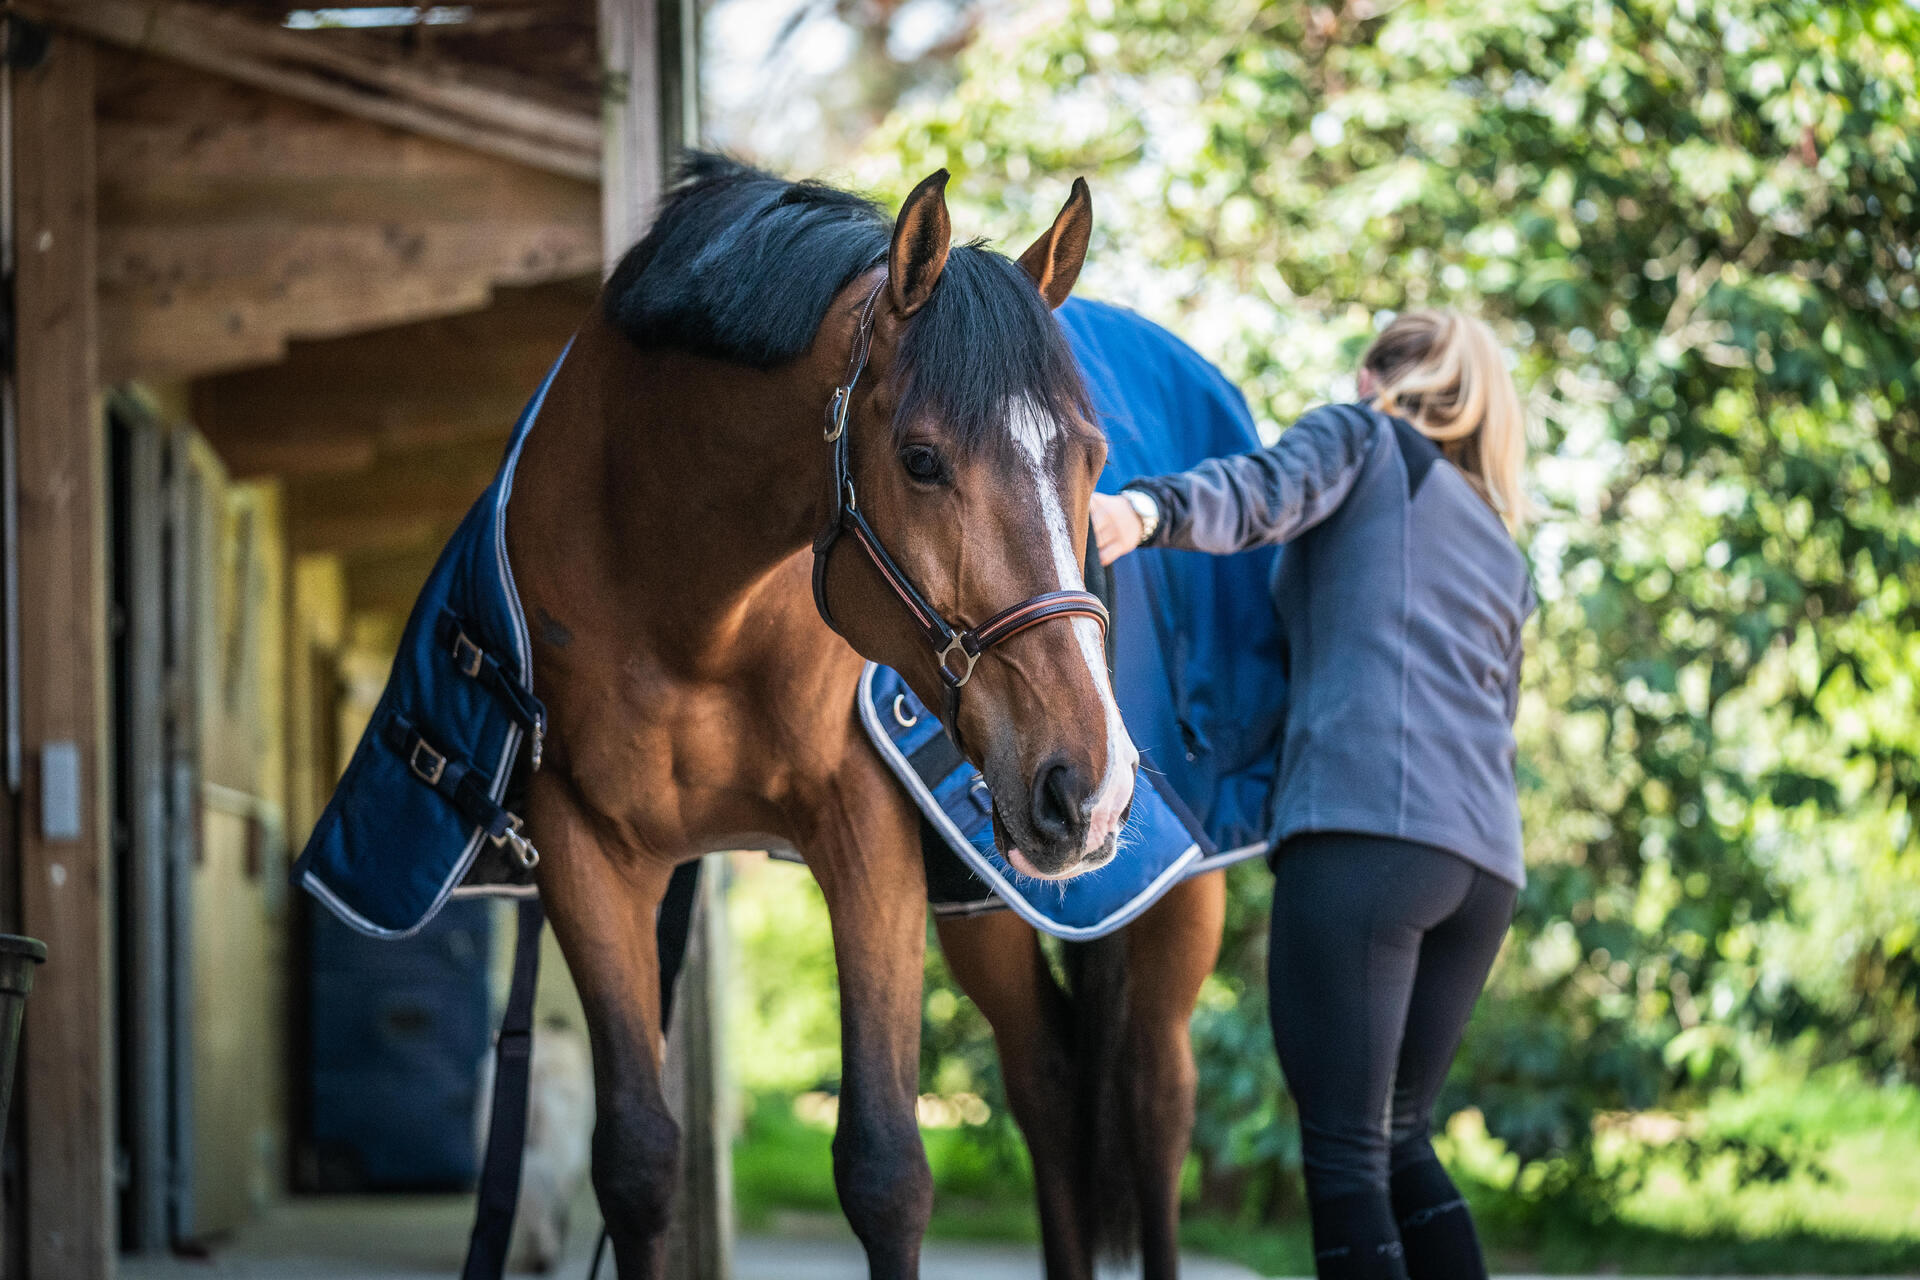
(156, 560)
(65, 1073)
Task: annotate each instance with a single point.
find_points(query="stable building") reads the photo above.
(279, 282)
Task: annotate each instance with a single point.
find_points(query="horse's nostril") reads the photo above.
(1058, 796)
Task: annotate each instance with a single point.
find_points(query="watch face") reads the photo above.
(1147, 509)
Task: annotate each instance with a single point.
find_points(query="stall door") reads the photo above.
(155, 510)
(397, 1033)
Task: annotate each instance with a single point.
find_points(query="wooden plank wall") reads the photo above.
(64, 1071)
(233, 219)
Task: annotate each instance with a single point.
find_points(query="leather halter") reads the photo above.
(955, 648)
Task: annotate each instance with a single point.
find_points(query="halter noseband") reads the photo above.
(955, 649)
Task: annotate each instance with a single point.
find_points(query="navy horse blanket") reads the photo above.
(1198, 667)
(425, 804)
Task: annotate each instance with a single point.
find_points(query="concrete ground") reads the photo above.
(411, 1237)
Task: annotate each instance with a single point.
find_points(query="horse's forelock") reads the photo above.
(743, 266)
(986, 340)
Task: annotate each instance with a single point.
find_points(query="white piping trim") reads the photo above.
(1125, 913)
(500, 889)
(522, 643)
(1200, 866)
(1227, 857)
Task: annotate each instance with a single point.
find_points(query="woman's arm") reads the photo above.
(1252, 499)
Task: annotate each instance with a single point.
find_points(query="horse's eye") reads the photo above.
(924, 464)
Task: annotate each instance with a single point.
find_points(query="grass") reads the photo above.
(783, 1178)
(1862, 1217)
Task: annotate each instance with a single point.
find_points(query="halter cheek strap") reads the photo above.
(955, 649)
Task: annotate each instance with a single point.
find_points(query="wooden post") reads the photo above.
(700, 1241)
(648, 107)
(63, 839)
(633, 161)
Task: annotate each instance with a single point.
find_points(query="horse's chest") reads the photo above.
(682, 763)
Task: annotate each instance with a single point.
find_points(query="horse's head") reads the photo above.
(972, 457)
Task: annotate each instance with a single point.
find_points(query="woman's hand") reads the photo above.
(1116, 526)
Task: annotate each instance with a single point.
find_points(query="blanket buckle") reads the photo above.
(427, 764)
(517, 844)
(467, 655)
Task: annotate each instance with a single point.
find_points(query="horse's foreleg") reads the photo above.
(997, 961)
(865, 854)
(602, 905)
(1171, 947)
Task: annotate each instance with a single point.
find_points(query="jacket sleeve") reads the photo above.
(1269, 495)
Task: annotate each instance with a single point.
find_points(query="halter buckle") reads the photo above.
(956, 649)
(837, 412)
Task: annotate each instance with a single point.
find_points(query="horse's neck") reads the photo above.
(684, 484)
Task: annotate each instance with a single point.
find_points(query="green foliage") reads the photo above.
(783, 1030)
(783, 998)
(1695, 222)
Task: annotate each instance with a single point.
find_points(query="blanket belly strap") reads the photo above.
(461, 785)
(478, 665)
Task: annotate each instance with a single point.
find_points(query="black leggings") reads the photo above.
(1379, 950)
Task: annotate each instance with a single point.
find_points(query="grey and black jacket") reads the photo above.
(1401, 596)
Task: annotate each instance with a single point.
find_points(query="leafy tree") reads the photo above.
(1695, 221)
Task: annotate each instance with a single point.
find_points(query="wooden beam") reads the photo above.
(336, 407)
(64, 876)
(233, 221)
(494, 113)
(400, 501)
(390, 581)
(634, 162)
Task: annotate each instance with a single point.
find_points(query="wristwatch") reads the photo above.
(1147, 509)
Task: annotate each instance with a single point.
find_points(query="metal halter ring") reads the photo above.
(956, 647)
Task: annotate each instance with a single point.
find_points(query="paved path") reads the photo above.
(411, 1238)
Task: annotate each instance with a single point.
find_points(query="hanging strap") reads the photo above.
(481, 666)
(507, 1125)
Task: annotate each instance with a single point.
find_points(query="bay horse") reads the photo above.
(793, 435)
(1099, 1074)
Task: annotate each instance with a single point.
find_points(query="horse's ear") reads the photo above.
(921, 236)
(1054, 260)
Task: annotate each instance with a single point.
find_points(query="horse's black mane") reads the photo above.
(741, 266)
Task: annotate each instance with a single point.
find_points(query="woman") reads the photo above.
(1396, 825)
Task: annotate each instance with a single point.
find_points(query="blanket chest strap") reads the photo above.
(478, 665)
(462, 785)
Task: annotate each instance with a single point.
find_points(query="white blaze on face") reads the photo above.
(1035, 431)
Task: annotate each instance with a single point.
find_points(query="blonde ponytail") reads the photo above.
(1443, 372)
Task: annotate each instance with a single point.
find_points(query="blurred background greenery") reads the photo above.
(1695, 224)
